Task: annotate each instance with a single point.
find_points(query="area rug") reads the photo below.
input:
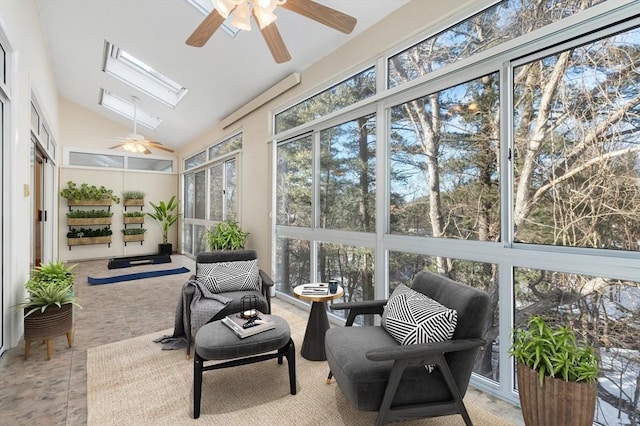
(136, 276)
(134, 382)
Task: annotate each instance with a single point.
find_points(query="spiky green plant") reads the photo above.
(51, 284)
(554, 351)
(164, 214)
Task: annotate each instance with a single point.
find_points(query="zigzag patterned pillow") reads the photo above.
(411, 317)
(222, 277)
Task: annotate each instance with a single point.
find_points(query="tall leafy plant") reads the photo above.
(226, 235)
(51, 284)
(165, 214)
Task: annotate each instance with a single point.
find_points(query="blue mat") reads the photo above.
(137, 276)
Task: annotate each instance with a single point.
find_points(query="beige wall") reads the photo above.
(256, 127)
(81, 128)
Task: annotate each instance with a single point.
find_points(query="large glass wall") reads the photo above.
(510, 164)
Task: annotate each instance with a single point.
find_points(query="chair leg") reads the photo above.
(291, 361)
(453, 388)
(390, 391)
(328, 381)
(197, 384)
(49, 349)
(69, 338)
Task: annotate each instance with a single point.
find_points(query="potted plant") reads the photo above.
(88, 195)
(84, 236)
(133, 217)
(226, 235)
(164, 214)
(89, 217)
(556, 375)
(48, 308)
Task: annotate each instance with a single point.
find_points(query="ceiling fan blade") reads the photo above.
(117, 146)
(146, 151)
(158, 145)
(205, 30)
(275, 43)
(323, 14)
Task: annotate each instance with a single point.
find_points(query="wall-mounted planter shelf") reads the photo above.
(133, 202)
(133, 238)
(89, 240)
(133, 220)
(103, 203)
(78, 221)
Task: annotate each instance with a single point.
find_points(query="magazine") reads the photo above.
(235, 322)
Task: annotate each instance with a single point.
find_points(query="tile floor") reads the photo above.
(40, 392)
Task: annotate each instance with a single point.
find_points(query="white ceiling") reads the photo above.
(221, 76)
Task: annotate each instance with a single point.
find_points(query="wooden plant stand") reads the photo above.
(53, 322)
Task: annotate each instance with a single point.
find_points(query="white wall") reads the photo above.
(30, 72)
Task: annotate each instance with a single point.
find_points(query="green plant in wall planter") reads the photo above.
(556, 375)
(48, 308)
(166, 216)
(134, 231)
(227, 235)
(85, 192)
(133, 198)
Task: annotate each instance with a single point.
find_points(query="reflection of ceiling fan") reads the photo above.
(262, 11)
(137, 143)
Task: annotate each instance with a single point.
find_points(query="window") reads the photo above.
(210, 191)
(126, 109)
(195, 160)
(347, 177)
(294, 189)
(498, 24)
(577, 146)
(95, 160)
(144, 163)
(444, 163)
(347, 92)
(114, 161)
(515, 171)
(132, 71)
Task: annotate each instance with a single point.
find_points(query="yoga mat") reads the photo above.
(137, 276)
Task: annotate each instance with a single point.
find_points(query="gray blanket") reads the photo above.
(204, 306)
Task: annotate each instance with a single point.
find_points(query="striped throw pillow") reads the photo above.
(222, 277)
(411, 318)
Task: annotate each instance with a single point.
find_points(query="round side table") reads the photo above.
(318, 323)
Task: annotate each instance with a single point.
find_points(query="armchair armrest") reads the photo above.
(267, 283)
(365, 307)
(421, 350)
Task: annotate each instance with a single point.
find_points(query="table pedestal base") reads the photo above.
(317, 326)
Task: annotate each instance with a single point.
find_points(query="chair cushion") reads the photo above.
(413, 318)
(221, 277)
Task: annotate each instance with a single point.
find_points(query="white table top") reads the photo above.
(317, 296)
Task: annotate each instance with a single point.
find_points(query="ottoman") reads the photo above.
(216, 341)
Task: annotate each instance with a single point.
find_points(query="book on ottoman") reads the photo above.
(248, 327)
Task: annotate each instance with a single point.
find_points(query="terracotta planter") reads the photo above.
(556, 402)
(54, 321)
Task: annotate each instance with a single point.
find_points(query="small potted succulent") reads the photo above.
(556, 375)
(227, 235)
(48, 308)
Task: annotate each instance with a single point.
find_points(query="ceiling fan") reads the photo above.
(135, 142)
(263, 12)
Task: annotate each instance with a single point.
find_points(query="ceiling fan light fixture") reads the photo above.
(241, 17)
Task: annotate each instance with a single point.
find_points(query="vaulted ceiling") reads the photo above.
(220, 77)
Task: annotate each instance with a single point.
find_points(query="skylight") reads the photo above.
(205, 7)
(125, 108)
(141, 76)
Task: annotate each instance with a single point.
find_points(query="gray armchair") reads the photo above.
(376, 373)
(263, 296)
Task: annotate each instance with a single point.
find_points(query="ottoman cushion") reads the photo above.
(216, 341)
